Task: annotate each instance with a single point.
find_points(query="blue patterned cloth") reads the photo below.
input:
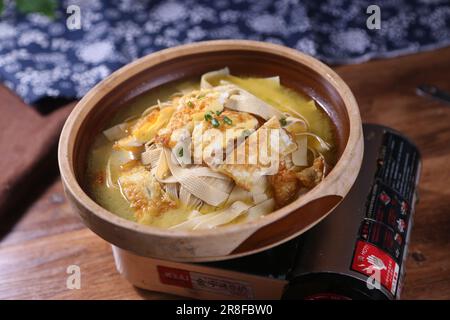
(40, 57)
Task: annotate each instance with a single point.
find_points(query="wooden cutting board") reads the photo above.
(27, 138)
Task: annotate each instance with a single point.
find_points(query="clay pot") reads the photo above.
(296, 70)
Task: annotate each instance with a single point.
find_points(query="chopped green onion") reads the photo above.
(227, 120)
(180, 152)
(215, 123)
(283, 122)
(219, 112)
(190, 104)
(202, 95)
(208, 116)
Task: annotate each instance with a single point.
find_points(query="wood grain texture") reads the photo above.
(39, 242)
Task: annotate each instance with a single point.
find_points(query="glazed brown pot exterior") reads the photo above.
(296, 70)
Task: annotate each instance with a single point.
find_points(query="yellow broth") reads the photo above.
(278, 96)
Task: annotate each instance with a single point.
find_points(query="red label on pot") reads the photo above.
(204, 282)
(377, 264)
(175, 277)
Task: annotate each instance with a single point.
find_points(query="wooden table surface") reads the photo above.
(41, 235)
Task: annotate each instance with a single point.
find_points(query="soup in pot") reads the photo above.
(204, 154)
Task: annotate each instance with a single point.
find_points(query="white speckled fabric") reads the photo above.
(40, 57)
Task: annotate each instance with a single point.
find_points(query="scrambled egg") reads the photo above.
(311, 176)
(219, 141)
(145, 128)
(198, 117)
(144, 193)
(285, 185)
(189, 108)
(251, 174)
